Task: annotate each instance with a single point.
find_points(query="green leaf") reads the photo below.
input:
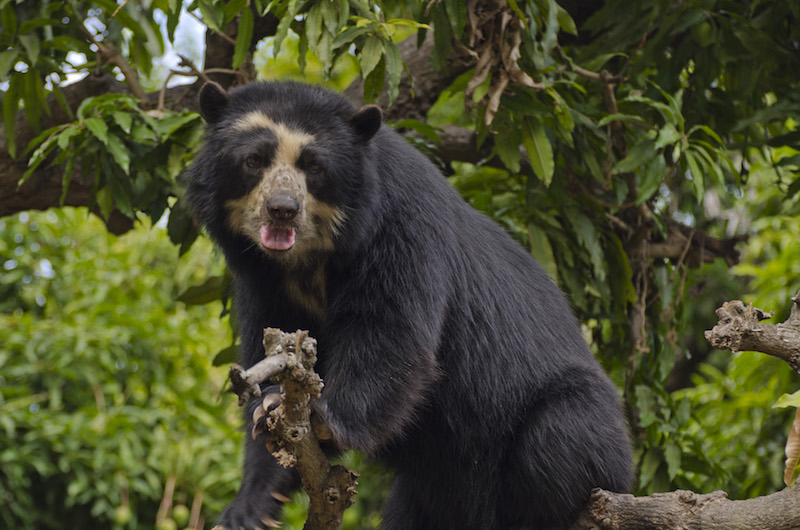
(180, 226)
(48, 140)
(8, 19)
(637, 158)
(565, 21)
(428, 131)
(696, 174)
(330, 17)
(34, 23)
(539, 149)
(350, 34)
(283, 25)
(394, 68)
(119, 185)
(232, 9)
(506, 146)
(226, 356)
(650, 464)
(788, 400)
(314, 24)
(667, 135)
(211, 16)
(373, 84)
(589, 239)
(98, 128)
(651, 177)
(171, 123)
(457, 14)
(65, 136)
(513, 5)
(8, 59)
(212, 289)
(69, 169)
(672, 455)
(344, 12)
(124, 120)
(243, 38)
(407, 23)
(120, 152)
(542, 250)
(370, 55)
(32, 97)
(104, 201)
(709, 131)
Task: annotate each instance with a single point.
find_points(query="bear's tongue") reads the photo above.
(277, 237)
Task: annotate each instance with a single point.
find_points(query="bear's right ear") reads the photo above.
(366, 121)
(213, 101)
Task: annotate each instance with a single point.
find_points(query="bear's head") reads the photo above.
(281, 166)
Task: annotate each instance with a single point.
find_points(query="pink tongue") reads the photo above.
(277, 238)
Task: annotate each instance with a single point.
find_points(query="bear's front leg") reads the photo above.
(370, 396)
(265, 485)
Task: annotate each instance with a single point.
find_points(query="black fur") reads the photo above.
(445, 349)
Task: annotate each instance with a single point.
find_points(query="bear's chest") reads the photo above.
(306, 289)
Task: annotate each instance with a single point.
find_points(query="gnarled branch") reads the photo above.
(740, 329)
(289, 361)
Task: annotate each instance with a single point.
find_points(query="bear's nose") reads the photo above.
(282, 207)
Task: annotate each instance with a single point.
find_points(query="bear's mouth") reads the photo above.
(276, 237)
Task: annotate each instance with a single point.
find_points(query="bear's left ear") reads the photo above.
(366, 122)
(213, 101)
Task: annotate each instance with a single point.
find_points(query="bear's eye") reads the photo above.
(252, 162)
(314, 168)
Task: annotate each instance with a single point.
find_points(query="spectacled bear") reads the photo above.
(445, 349)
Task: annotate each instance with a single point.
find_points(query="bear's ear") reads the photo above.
(213, 101)
(366, 122)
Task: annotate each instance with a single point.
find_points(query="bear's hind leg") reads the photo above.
(572, 442)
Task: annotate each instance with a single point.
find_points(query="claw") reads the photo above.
(280, 497)
(258, 413)
(270, 522)
(270, 401)
(258, 428)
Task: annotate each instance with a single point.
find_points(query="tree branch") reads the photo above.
(740, 329)
(689, 511)
(289, 361)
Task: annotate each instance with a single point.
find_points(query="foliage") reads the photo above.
(106, 388)
(599, 131)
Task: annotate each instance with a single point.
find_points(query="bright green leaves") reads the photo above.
(672, 453)
(339, 29)
(37, 39)
(379, 58)
(106, 379)
(133, 156)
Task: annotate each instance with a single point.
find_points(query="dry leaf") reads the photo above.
(792, 450)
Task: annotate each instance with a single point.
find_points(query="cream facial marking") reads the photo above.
(290, 141)
(316, 223)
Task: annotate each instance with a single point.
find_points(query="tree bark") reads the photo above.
(685, 510)
(740, 329)
(289, 361)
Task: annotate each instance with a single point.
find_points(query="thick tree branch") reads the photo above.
(689, 511)
(740, 329)
(289, 361)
